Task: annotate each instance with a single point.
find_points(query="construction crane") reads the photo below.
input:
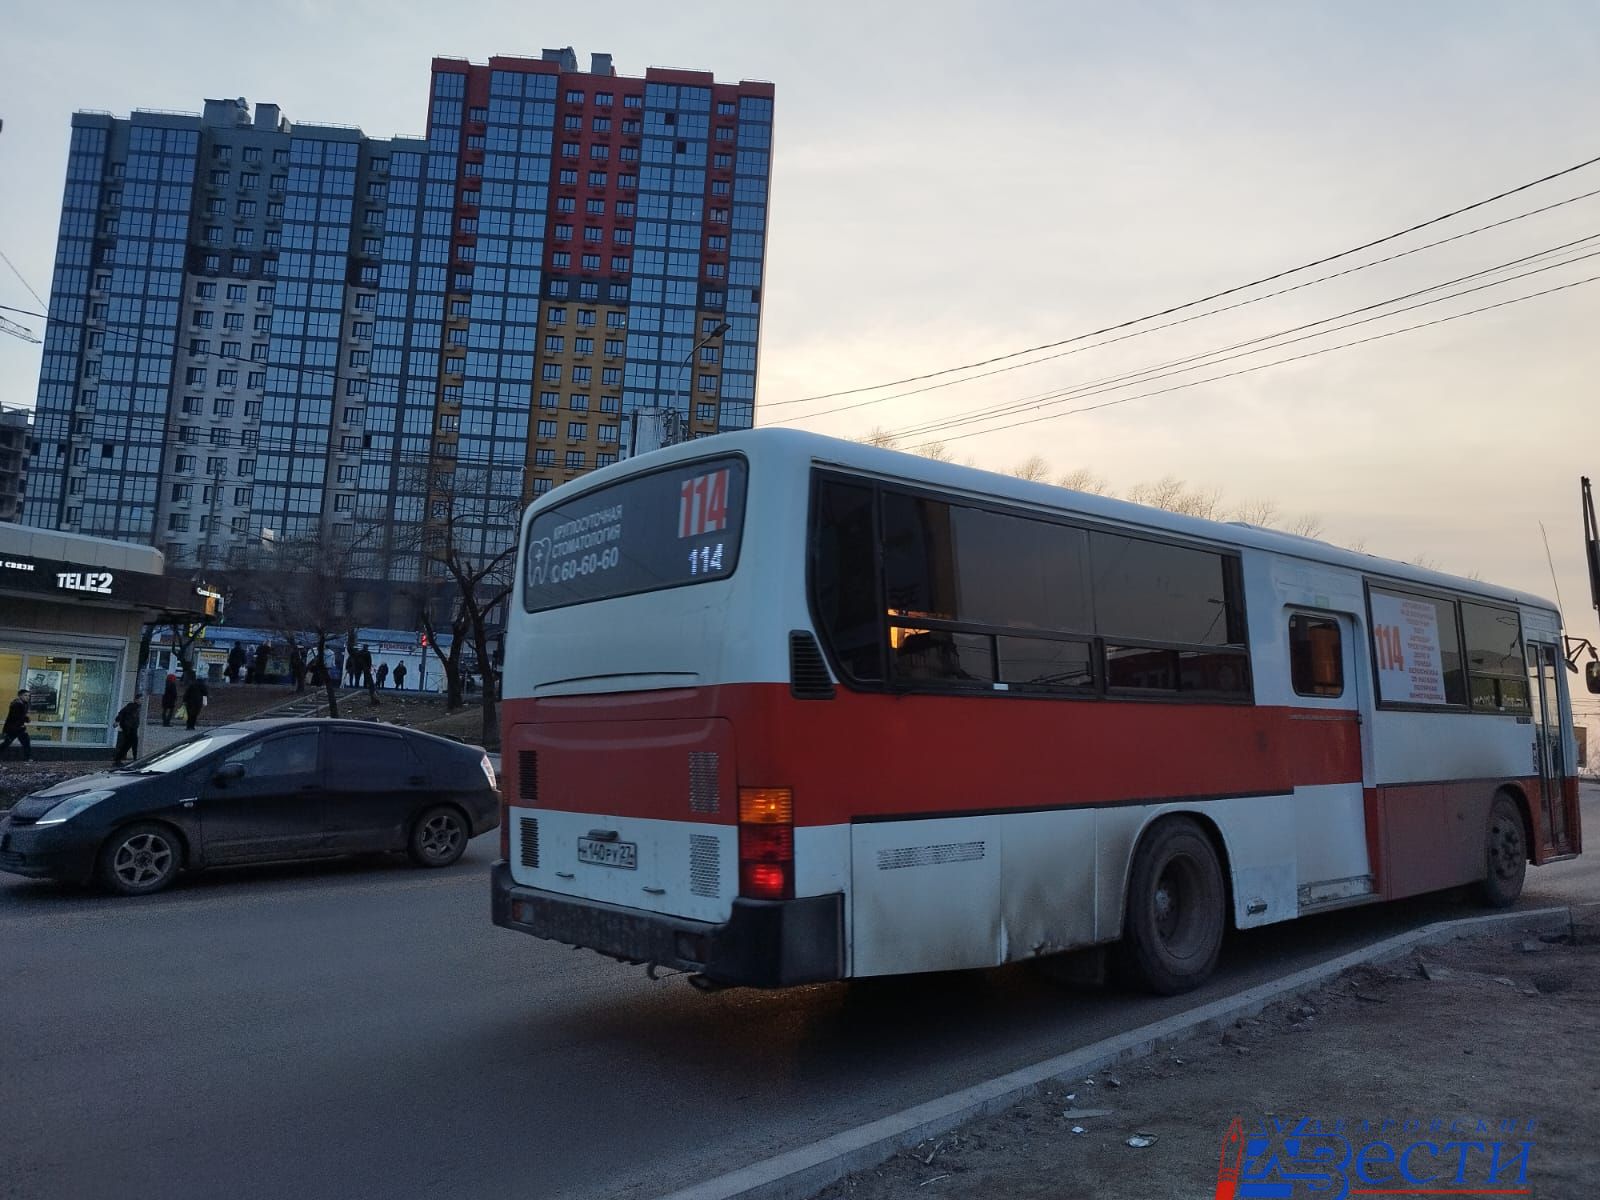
(7, 325)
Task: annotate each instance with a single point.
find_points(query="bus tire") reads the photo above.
(1505, 854)
(1176, 910)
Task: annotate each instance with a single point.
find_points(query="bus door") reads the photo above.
(1549, 747)
(1333, 863)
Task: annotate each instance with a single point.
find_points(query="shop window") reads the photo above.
(70, 698)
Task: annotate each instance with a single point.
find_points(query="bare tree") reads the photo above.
(882, 438)
(1032, 468)
(1082, 479)
(468, 541)
(300, 585)
(1174, 495)
(1258, 512)
(1306, 525)
(937, 451)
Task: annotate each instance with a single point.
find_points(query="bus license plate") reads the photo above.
(609, 854)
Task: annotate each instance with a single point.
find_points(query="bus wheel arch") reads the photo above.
(1176, 904)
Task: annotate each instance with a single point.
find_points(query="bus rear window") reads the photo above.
(659, 530)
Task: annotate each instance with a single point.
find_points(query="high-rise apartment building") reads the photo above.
(16, 426)
(265, 332)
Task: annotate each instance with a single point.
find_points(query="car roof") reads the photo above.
(264, 724)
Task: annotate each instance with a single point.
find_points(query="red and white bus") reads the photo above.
(782, 709)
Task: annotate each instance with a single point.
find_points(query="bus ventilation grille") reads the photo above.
(929, 856)
(703, 783)
(808, 673)
(530, 843)
(528, 776)
(705, 865)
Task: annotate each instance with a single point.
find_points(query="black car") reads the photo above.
(256, 791)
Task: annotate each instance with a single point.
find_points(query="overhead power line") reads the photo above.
(1200, 316)
(1377, 337)
(1225, 353)
(26, 312)
(1306, 266)
(43, 303)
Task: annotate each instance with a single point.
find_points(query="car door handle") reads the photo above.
(417, 779)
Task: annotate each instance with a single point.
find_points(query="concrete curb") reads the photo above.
(802, 1173)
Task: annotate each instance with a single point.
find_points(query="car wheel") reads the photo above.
(140, 859)
(438, 838)
(1176, 910)
(1506, 854)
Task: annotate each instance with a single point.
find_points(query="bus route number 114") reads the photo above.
(703, 504)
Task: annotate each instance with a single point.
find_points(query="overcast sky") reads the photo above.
(955, 181)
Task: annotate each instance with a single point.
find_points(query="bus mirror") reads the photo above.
(1591, 676)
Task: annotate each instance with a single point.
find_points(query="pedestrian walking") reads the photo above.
(195, 697)
(367, 678)
(338, 662)
(236, 661)
(263, 660)
(400, 675)
(383, 673)
(128, 731)
(297, 667)
(16, 726)
(169, 699)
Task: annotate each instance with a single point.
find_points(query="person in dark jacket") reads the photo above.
(16, 726)
(169, 699)
(128, 731)
(338, 663)
(263, 660)
(236, 661)
(297, 666)
(194, 700)
(400, 675)
(383, 673)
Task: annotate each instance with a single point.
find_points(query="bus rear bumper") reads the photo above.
(764, 943)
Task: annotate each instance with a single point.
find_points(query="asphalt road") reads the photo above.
(360, 1030)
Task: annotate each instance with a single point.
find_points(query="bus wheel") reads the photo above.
(1176, 911)
(1506, 851)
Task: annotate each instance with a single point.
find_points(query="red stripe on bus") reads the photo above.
(866, 755)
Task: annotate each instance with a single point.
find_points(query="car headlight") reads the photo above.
(72, 806)
(488, 771)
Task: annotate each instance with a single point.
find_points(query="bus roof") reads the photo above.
(801, 449)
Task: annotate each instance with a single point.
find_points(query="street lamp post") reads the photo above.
(683, 377)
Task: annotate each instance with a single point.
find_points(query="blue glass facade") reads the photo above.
(262, 332)
(308, 346)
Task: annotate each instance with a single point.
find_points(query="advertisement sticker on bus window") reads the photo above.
(657, 530)
(1405, 638)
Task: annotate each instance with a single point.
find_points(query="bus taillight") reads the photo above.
(766, 843)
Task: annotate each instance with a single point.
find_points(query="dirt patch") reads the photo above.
(1484, 1030)
(227, 702)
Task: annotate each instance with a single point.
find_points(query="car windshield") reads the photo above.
(181, 756)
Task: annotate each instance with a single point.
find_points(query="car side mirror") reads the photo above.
(1591, 676)
(228, 773)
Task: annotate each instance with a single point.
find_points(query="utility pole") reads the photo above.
(657, 427)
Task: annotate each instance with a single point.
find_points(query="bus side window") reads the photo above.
(1316, 656)
(844, 583)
